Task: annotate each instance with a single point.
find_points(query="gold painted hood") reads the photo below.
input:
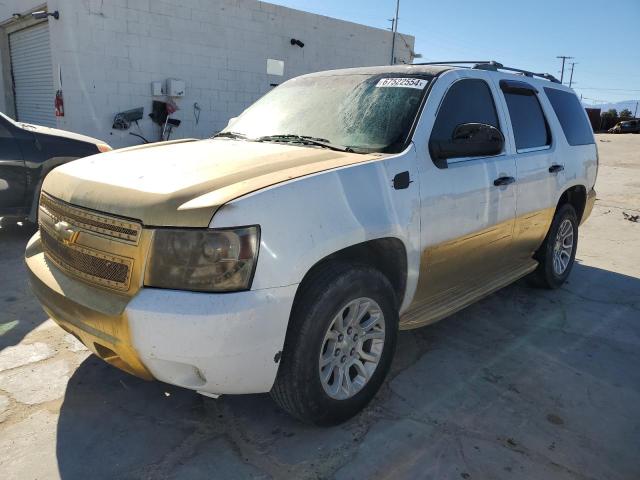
(183, 183)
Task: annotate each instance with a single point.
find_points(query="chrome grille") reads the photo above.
(92, 221)
(96, 267)
(98, 248)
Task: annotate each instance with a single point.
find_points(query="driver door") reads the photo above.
(466, 220)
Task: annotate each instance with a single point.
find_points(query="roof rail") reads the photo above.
(456, 62)
(494, 66)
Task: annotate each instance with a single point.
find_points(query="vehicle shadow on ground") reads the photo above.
(512, 384)
(19, 310)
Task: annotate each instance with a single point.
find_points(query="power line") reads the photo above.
(610, 89)
(564, 58)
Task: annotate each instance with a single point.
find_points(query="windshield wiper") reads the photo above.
(304, 139)
(229, 135)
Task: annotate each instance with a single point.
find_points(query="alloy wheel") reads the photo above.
(351, 348)
(563, 247)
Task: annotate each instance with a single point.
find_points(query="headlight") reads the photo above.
(203, 260)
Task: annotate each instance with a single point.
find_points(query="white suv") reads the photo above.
(284, 254)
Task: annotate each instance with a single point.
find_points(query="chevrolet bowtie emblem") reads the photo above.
(67, 234)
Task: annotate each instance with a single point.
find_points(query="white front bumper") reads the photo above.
(222, 343)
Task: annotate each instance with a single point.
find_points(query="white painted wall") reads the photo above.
(111, 50)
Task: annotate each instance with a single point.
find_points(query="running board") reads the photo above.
(436, 308)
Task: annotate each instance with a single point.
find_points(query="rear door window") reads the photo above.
(571, 116)
(530, 127)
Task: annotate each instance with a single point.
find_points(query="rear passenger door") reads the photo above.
(536, 165)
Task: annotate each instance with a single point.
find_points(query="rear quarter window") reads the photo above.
(571, 116)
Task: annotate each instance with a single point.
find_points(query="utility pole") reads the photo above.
(635, 115)
(564, 58)
(573, 64)
(394, 27)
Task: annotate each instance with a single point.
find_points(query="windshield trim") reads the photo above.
(416, 120)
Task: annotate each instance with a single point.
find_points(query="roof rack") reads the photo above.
(494, 66)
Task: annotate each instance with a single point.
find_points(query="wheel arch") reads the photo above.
(386, 254)
(576, 196)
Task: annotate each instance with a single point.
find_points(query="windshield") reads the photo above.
(364, 113)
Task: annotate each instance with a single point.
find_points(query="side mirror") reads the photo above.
(467, 140)
(231, 120)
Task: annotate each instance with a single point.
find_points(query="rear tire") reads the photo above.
(557, 253)
(333, 363)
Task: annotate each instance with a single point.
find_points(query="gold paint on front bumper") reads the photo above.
(71, 283)
(97, 318)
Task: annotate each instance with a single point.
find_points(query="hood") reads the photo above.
(183, 183)
(58, 133)
(51, 131)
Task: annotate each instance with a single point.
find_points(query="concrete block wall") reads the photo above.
(110, 51)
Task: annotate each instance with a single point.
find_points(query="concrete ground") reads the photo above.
(525, 384)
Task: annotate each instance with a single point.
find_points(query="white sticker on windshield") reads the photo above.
(418, 83)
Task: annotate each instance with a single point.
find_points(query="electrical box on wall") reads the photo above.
(156, 89)
(175, 87)
(275, 67)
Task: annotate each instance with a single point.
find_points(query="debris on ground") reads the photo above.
(631, 218)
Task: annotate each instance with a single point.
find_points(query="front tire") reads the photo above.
(339, 345)
(557, 253)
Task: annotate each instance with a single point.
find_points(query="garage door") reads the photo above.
(32, 75)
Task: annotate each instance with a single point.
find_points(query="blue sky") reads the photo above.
(529, 35)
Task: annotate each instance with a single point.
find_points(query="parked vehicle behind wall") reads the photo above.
(628, 126)
(27, 154)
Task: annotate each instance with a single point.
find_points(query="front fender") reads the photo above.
(309, 218)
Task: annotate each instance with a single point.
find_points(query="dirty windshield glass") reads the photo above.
(362, 112)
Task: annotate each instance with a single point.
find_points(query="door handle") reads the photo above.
(498, 182)
(556, 168)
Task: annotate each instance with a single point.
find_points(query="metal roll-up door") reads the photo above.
(32, 75)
